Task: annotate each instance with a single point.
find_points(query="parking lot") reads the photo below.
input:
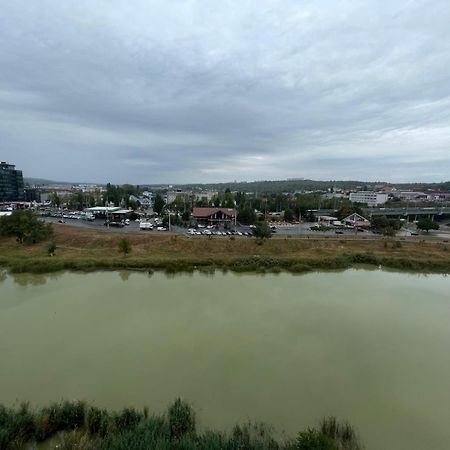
(78, 220)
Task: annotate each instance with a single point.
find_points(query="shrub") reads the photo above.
(97, 421)
(181, 419)
(124, 246)
(312, 439)
(127, 419)
(51, 249)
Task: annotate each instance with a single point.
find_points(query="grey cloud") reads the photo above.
(154, 91)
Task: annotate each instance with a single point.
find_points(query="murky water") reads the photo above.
(372, 347)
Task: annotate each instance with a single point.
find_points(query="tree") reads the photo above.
(262, 231)
(288, 215)
(246, 216)
(427, 224)
(124, 246)
(55, 200)
(26, 226)
(385, 226)
(158, 205)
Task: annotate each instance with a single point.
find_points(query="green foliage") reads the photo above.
(181, 419)
(124, 246)
(312, 439)
(246, 216)
(127, 419)
(26, 226)
(385, 226)
(262, 230)
(158, 204)
(427, 224)
(347, 208)
(97, 421)
(342, 434)
(289, 215)
(116, 194)
(55, 200)
(51, 249)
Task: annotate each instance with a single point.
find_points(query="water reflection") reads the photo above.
(124, 275)
(3, 275)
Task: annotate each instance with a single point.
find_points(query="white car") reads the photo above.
(145, 226)
(161, 229)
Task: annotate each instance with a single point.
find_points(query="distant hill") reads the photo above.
(268, 186)
(281, 186)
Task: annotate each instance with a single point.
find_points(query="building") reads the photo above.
(356, 220)
(214, 216)
(369, 198)
(11, 183)
(109, 212)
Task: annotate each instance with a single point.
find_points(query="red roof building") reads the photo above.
(214, 215)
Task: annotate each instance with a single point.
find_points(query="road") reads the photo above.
(300, 229)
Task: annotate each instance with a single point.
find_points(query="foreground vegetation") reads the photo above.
(75, 425)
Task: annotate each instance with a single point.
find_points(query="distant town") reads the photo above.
(331, 206)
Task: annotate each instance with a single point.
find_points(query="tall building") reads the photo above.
(11, 183)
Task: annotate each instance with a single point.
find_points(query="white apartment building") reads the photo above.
(369, 197)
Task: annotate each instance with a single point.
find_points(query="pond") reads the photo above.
(368, 346)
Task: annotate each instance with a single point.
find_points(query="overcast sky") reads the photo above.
(149, 91)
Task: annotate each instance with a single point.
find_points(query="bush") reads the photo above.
(124, 246)
(181, 419)
(51, 249)
(97, 421)
(312, 439)
(127, 419)
(262, 231)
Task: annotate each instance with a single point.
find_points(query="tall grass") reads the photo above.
(75, 425)
(208, 265)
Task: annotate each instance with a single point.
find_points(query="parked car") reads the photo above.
(161, 229)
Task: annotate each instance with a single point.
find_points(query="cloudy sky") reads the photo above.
(149, 91)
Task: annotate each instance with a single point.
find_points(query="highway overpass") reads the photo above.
(410, 213)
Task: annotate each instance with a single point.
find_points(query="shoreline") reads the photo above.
(88, 250)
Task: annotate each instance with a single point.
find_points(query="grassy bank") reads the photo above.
(82, 249)
(71, 425)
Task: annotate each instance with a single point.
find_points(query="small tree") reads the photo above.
(158, 205)
(26, 226)
(51, 249)
(427, 224)
(181, 419)
(262, 231)
(124, 246)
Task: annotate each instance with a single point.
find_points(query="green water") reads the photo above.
(372, 347)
